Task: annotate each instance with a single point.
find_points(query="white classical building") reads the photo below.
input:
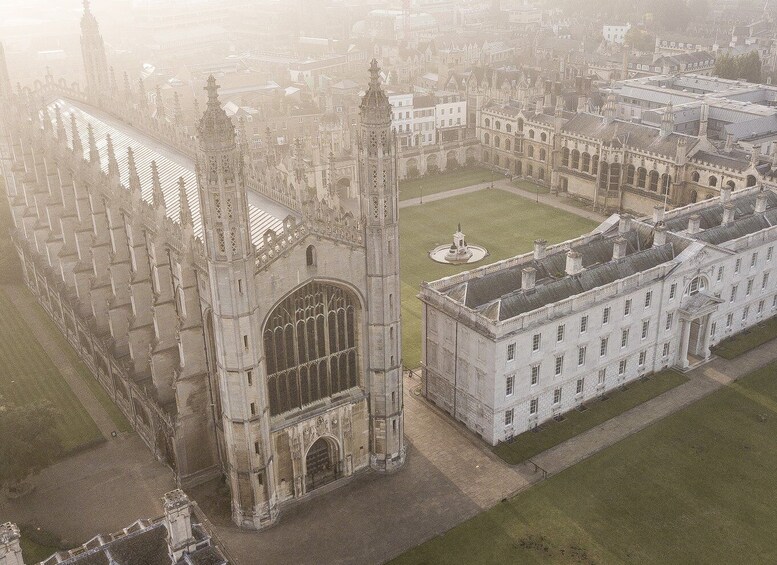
(615, 33)
(427, 119)
(510, 345)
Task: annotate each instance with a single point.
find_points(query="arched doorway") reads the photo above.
(321, 464)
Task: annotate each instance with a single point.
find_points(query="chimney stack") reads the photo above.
(725, 194)
(760, 202)
(528, 278)
(574, 262)
(624, 225)
(659, 235)
(178, 520)
(658, 214)
(729, 142)
(728, 213)
(694, 224)
(618, 248)
(10, 547)
(755, 155)
(539, 249)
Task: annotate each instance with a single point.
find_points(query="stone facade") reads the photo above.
(244, 329)
(510, 345)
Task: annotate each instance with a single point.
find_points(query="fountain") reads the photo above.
(459, 252)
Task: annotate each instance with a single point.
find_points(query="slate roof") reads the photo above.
(745, 221)
(501, 291)
(638, 136)
(738, 161)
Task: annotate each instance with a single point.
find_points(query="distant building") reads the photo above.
(421, 120)
(615, 33)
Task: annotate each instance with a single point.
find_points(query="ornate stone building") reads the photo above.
(245, 327)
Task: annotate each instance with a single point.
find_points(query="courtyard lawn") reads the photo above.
(504, 223)
(529, 444)
(28, 375)
(440, 182)
(749, 339)
(696, 487)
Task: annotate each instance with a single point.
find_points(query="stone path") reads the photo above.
(25, 302)
(703, 381)
(462, 457)
(547, 199)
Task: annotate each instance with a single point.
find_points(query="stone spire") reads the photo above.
(196, 109)
(609, 109)
(6, 90)
(158, 197)
(78, 147)
(215, 129)
(242, 134)
(667, 121)
(94, 154)
(113, 165)
(93, 52)
(375, 108)
(160, 104)
(114, 86)
(134, 179)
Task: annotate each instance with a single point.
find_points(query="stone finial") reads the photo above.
(158, 197)
(134, 179)
(142, 98)
(78, 147)
(160, 104)
(177, 112)
(94, 154)
(61, 133)
(186, 211)
(127, 87)
(113, 165)
(10, 545)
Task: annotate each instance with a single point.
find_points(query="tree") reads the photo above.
(747, 67)
(27, 440)
(640, 40)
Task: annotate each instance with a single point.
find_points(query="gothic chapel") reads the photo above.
(242, 336)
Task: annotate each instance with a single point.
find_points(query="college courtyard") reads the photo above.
(674, 469)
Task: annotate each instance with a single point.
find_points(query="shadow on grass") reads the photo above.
(747, 340)
(595, 412)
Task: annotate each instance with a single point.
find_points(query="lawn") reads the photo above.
(440, 182)
(529, 444)
(749, 339)
(530, 186)
(504, 223)
(28, 375)
(696, 487)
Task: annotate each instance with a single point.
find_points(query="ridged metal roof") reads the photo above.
(171, 166)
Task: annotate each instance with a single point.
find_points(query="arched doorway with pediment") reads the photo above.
(322, 463)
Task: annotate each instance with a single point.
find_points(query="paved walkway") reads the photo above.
(557, 202)
(703, 381)
(25, 302)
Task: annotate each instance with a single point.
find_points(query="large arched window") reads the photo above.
(542, 154)
(508, 128)
(531, 134)
(695, 176)
(586, 163)
(575, 164)
(507, 144)
(311, 345)
(543, 137)
(641, 177)
(653, 185)
(630, 175)
(750, 181)
(487, 122)
(486, 138)
(697, 285)
(498, 125)
(496, 141)
(530, 151)
(310, 256)
(713, 181)
(565, 157)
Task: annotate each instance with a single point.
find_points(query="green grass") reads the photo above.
(28, 375)
(440, 182)
(504, 223)
(696, 487)
(749, 339)
(529, 444)
(38, 544)
(121, 423)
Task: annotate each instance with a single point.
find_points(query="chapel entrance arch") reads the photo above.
(321, 463)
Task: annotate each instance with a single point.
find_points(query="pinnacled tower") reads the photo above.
(5, 81)
(379, 193)
(93, 52)
(231, 258)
